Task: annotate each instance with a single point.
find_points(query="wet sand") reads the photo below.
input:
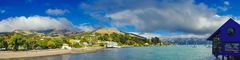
(48, 52)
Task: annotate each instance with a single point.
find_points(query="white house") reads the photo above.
(112, 45)
(66, 46)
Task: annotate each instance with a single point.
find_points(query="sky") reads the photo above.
(184, 18)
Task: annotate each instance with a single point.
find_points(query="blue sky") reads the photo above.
(163, 17)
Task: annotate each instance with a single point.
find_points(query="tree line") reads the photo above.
(17, 41)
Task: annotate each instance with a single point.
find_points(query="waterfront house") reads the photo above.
(66, 46)
(226, 40)
(77, 41)
(112, 44)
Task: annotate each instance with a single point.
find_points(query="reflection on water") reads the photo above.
(138, 53)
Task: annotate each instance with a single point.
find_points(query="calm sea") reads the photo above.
(182, 52)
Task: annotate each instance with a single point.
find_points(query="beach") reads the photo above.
(180, 52)
(46, 52)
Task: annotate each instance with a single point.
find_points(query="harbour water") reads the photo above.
(182, 52)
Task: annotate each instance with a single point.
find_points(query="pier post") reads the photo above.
(217, 57)
(222, 57)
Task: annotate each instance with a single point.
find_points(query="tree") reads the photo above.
(72, 42)
(31, 41)
(5, 36)
(17, 40)
(65, 39)
(27, 44)
(105, 37)
(58, 42)
(42, 43)
(155, 40)
(123, 39)
(1, 42)
(51, 44)
(77, 45)
(130, 42)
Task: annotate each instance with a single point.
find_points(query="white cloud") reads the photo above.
(147, 35)
(226, 3)
(151, 35)
(183, 16)
(86, 27)
(57, 11)
(223, 8)
(34, 23)
(41, 23)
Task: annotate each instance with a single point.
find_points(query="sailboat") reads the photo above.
(195, 46)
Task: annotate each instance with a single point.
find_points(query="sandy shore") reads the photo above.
(48, 52)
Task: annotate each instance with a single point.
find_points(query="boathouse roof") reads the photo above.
(229, 31)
